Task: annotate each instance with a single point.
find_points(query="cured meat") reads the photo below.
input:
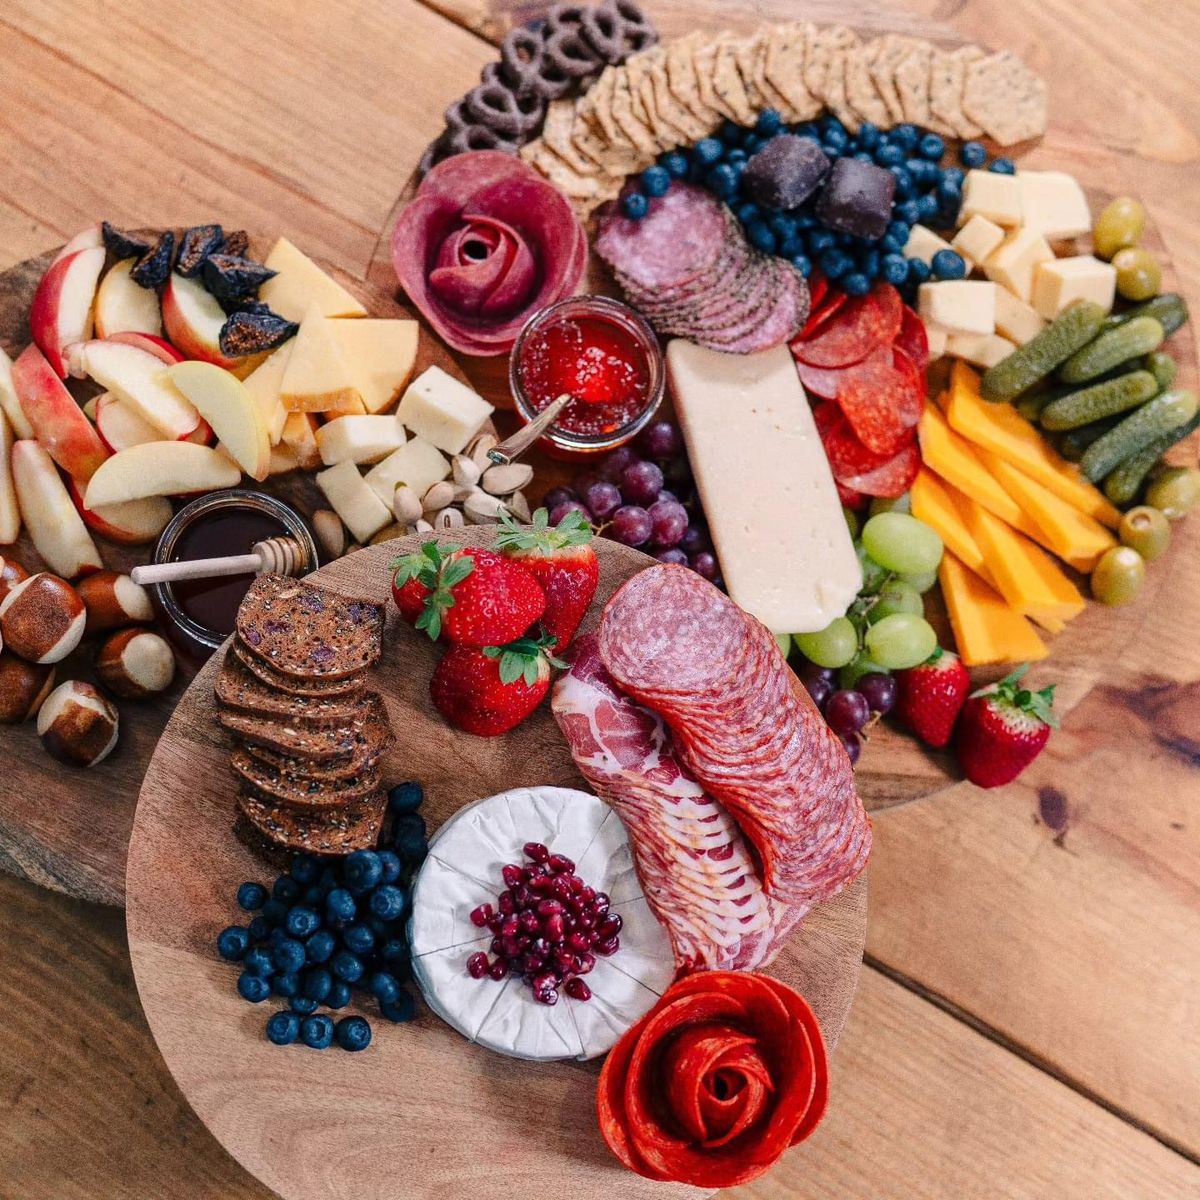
(694, 864)
(743, 727)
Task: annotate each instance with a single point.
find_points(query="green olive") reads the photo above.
(1118, 226)
(1138, 273)
(1118, 576)
(1174, 491)
(1147, 531)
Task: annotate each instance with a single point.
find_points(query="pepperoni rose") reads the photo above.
(716, 1082)
(485, 243)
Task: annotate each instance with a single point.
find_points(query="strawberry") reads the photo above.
(492, 690)
(564, 563)
(1003, 729)
(471, 596)
(929, 697)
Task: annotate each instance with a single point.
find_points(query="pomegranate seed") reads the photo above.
(506, 904)
(546, 908)
(482, 915)
(497, 944)
(523, 941)
(584, 963)
(498, 970)
(561, 864)
(578, 942)
(610, 925)
(540, 946)
(533, 962)
(586, 894)
(587, 920)
(608, 946)
(578, 990)
(535, 852)
(529, 921)
(575, 884)
(513, 875)
(510, 925)
(548, 996)
(477, 965)
(563, 959)
(495, 923)
(552, 928)
(601, 902)
(509, 947)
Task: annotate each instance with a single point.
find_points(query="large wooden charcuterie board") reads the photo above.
(334, 1126)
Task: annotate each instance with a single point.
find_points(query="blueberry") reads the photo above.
(393, 950)
(253, 987)
(894, 268)
(904, 181)
(708, 151)
(277, 935)
(314, 895)
(656, 181)
(722, 180)
(383, 986)
(820, 240)
(259, 962)
(1003, 166)
(288, 955)
(769, 123)
(868, 135)
(807, 129)
(905, 136)
(302, 921)
(286, 983)
(869, 260)
(737, 157)
(830, 124)
(381, 928)
(635, 205)
(347, 966)
(856, 284)
(908, 212)
(973, 154)
(730, 132)
(304, 1006)
(927, 207)
(275, 912)
(759, 235)
(834, 263)
(752, 143)
(931, 147)
(865, 156)
(388, 902)
(316, 984)
(406, 797)
(747, 211)
(402, 1009)
(232, 943)
(676, 165)
(362, 869)
(305, 869)
(791, 246)
(341, 905)
(803, 264)
(782, 226)
(832, 150)
(889, 155)
(339, 994)
(359, 939)
(251, 896)
(924, 174)
(260, 928)
(317, 1032)
(353, 1033)
(889, 245)
(918, 270)
(948, 264)
(283, 1028)
(805, 220)
(286, 889)
(409, 822)
(391, 865)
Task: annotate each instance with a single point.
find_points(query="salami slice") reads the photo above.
(913, 339)
(862, 324)
(890, 479)
(820, 381)
(871, 394)
(910, 397)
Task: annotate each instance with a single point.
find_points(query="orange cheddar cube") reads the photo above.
(986, 630)
(933, 501)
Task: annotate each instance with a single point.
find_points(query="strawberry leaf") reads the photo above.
(513, 665)
(572, 530)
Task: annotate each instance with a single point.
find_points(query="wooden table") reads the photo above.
(1027, 1024)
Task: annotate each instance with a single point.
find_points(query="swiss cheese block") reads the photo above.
(1016, 320)
(301, 283)
(361, 510)
(773, 510)
(318, 377)
(959, 305)
(977, 239)
(443, 411)
(381, 354)
(1065, 280)
(359, 439)
(1053, 203)
(263, 384)
(416, 463)
(937, 504)
(979, 349)
(986, 630)
(1018, 257)
(924, 244)
(988, 194)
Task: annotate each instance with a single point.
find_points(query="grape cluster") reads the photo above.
(642, 495)
(927, 193)
(847, 666)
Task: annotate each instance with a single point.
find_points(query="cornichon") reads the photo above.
(1101, 400)
(1025, 366)
(1163, 367)
(1124, 482)
(1031, 405)
(1169, 309)
(1156, 418)
(1074, 442)
(1110, 349)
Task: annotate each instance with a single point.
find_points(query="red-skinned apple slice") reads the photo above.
(61, 312)
(56, 529)
(160, 469)
(86, 239)
(9, 403)
(137, 378)
(55, 417)
(123, 306)
(192, 319)
(149, 342)
(132, 523)
(120, 426)
(10, 512)
(233, 414)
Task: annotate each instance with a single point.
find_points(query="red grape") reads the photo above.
(695, 539)
(809, 671)
(704, 564)
(616, 462)
(853, 745)
(603, 498)
(641, 482)
(561, 509)
(672, 555)
(660, 440)
(558, 495)
(630, 525)
(847, 712)
(677, 470)
(820, 690)
(879, 690)
(668, 522)
(667, 494)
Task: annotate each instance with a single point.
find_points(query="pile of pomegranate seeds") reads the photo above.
(548, 927)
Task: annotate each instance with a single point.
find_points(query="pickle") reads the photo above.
(1163, 367)
(1028, 364)
(1156, 418)
(1074, 442)
(1030, 405)
(1168, 308)
(1101, 400)
(1124, 482)
(1111, 348)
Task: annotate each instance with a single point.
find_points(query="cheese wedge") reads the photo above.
(936, 503)
(263, 384)
(300, 435)
(301, 283)
(381, 354)
(986, 630)
(361, 510)
(318, 377)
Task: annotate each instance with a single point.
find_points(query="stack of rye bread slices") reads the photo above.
(309, 734)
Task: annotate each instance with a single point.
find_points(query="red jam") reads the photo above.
(598, 361)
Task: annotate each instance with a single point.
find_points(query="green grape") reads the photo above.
(873, 574)
(859, 666)
(851, 521)
(921, 580)
(833, 646)
(899, 542)
(901, 503)
(784, 642)
(896, 597)
(900, 641)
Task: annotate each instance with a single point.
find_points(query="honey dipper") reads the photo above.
(277, 555)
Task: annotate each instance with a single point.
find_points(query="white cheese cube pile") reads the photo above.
(446, 413)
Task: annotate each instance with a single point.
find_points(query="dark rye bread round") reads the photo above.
(339, 831)
(302, 791)
(302, 630)
(293, 685)
(239, 689)
(363, 733)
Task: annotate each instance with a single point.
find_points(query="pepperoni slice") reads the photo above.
(909, 399)
(871, 395)
(891, 310)
(848, 457)
(893, 478)
(913, 339)
(820, 381)
(859, 328)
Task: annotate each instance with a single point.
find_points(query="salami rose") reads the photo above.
(716, 1082)
(485, 243)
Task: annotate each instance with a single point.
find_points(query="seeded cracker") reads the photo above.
(912, 86)
(631, 128)
(597, 104)
(824, 42)
(672, 110)
(745, 54)
(556, 133)
(861, 93)
(835, 91)
(564, 176)
(667, 130)
(893, 50)
(681, 79)
(947, 76)
(785, 68)
(705, 62)
(772, 97)
(727, 80)
(1004, 96)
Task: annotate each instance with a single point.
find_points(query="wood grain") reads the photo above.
(242, 1086)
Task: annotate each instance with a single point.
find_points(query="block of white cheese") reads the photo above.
(381, 354)
(318, 377)
(980, 349)
(359, 439)
(1012, 265)
(959, 305)
(443, 411)
(977, 240)
(769, 496)
(1065, 280)
(463, 871)
(936, 336)
(361, 510)
(263, 384)
(1016, 320)
(1054, 204)
(300, 282)
(997, 197)
(300, 433)
(924, 244)
(416, 463)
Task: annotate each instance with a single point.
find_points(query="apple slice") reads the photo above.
(131, 523)
(160, 469)
(137, 377)
(85, 239)
(56, 529)
(120, 426)
(151, 342)
(123, 306)
(228, 407)
(55, 417)
(9, 403)
(193, 319)
(61, 312)
(10, 512)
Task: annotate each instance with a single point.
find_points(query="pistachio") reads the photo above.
(405, 504)
(423, 526)
(331, 533)
(438, 496)
(478, 450)
(449, 518)
(461, 492)
(482, 509)
(503, 480)
(388, 533)
(466, 472)
(519, 507)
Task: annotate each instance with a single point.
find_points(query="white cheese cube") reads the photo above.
(1054, 204)
(959, 305)
(1014, 263)
(997, 197)
(980, 349)
(924, 244)
(977, 239)
(1016, 320)
(416, 463)
(1062, 282)
(444, 412)
(937, 337)
(362, 512)
(359, 439)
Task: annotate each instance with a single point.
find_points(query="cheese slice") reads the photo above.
(381, 354)
(937, 504)
(1013, 264)
(443, 411)
(979, 349)
(361, 510)
(462, 871)
(1016, 320)
(263, 384)
(985, 629)
(416, 463)
(300, 435)
(991, 195)
(924, 244)
(1054, 204)
(773, 509)
(318, 377)
(301, 283)
(977, 239)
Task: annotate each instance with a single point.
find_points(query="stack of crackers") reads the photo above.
(679, 92)
(309, 735)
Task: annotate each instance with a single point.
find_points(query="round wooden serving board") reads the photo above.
(422, 1113)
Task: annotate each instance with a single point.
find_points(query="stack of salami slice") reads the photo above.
(309, 735)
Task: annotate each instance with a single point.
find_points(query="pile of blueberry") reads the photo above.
(326, 930)
(926, 193)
